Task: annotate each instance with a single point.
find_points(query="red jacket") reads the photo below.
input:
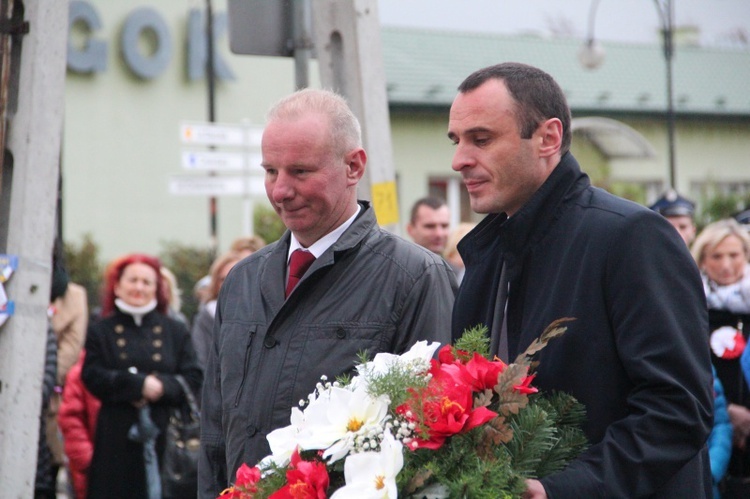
(77, 420)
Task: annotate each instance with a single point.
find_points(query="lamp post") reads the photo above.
(211, 87)
(591, 56)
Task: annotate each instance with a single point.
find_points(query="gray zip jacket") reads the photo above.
(371, 290)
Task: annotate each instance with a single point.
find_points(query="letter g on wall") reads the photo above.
(92, 56)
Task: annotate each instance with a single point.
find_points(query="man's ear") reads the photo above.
(410, 230)
(356, 160)
(551, 132)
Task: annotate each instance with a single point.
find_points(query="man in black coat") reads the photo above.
(553, 246)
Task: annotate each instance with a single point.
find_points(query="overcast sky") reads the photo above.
(616, 20)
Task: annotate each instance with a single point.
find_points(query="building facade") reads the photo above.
(136, 74)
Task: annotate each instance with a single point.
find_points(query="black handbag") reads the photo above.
(179, 465)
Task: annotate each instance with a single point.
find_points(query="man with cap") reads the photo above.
(743, 217)
(679, 212)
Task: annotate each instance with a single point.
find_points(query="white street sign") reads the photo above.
(212, 134)
(216, 186)
(213, 160)
(222, 161)
(221, 134)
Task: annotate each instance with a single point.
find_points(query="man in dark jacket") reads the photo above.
(279, 328)
(553, 246)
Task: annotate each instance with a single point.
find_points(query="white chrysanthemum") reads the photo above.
(332, 423)
(373, 474)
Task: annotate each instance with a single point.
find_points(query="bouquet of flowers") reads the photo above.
(461, 425)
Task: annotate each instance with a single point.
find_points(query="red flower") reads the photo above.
(525, 386)
(479, 372)
(447, 405)
(445, 355)
(483, 373)
(305, 480)
(473, 369)
(245, 485)
(247, 476)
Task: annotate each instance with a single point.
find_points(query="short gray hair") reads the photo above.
(346, 133)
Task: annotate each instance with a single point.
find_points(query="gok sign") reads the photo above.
(91, 57)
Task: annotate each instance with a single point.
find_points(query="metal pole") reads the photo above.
(591, 59)
(666, 16)
(211, 80)
(302, 42)
(669, 57)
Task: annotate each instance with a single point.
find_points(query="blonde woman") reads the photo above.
(722, 251)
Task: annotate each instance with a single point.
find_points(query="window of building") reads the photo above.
(454, 192)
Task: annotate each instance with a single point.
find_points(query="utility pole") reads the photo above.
(347, 42)
(350, 56)
(30, 176)
(302, 42)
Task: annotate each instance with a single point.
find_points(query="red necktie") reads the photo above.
(298, 265)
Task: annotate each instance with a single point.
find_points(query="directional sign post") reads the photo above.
(239, 153)
(191, 185)
(213, 160)
(221, 134)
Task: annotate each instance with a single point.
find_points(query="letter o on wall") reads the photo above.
(140, 20)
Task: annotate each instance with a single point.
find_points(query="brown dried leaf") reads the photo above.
(495, 432)
(511, 401)
(418, 480)
(512, 375)
(554, 330)
(503, 433)
(483, 399)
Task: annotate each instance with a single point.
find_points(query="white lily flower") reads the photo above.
(421, 350)
(334, 422)
(373, 474)
(417, 359)
(283, 441)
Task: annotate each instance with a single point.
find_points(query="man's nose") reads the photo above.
(281, 189)
(461, 158)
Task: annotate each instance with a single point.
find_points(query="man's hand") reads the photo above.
(534, 490)
(153, 389)
(740, 418)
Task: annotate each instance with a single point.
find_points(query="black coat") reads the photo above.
(736, 389)
(636, 355)
(159, 346)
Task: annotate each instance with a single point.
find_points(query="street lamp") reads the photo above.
(591, 56)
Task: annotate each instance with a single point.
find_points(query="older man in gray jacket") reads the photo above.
(280, 327)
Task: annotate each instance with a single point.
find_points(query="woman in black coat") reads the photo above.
(133, 355)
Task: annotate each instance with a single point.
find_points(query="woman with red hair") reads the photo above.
(132, 357)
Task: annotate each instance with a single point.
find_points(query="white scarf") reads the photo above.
(136, 312)
(732, 297)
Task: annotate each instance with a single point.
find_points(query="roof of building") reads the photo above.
(424, 67)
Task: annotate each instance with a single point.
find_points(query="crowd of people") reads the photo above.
(657, 353)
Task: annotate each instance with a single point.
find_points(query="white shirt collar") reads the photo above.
(321, 245)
